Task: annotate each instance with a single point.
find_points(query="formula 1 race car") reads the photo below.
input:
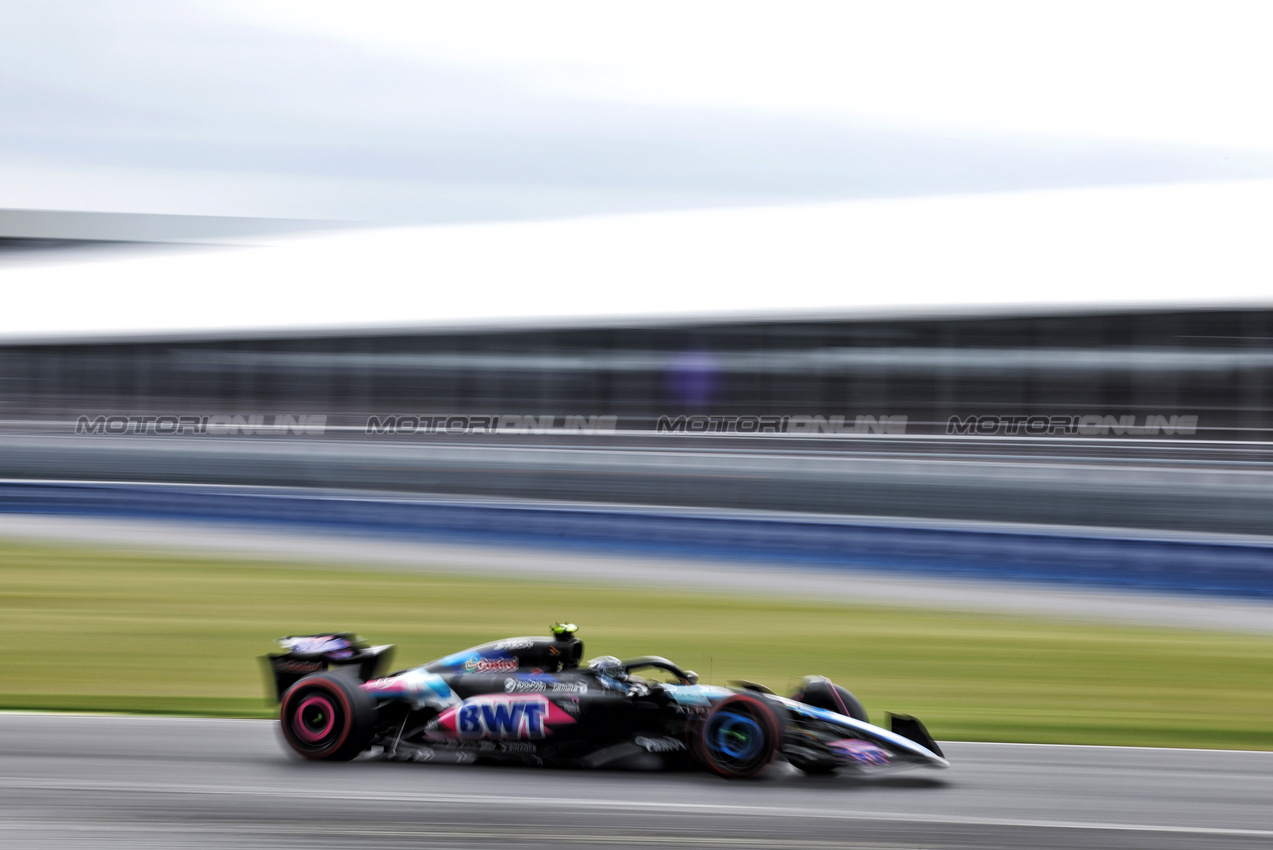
(528, 699)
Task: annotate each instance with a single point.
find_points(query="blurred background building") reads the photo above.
(1214, 366)
(820, 277)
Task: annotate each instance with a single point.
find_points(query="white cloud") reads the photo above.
(1178, 73)
(419, 111)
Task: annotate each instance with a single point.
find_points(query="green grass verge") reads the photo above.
(103, 631)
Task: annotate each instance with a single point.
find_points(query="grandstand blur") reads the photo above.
(1213, 368)
(1139, 402)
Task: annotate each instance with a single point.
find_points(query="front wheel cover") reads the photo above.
(326, 718)
(739, 738)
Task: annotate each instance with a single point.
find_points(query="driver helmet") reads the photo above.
(608, 665)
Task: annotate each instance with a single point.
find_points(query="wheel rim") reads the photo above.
(314, 719)
(734, 738)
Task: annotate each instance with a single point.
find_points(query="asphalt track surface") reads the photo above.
(98, 781)
(355, 551)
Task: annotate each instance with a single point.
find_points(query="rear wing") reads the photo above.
(337, 652)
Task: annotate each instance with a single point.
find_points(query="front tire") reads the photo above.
(739, 738)
(821, 692)
(326, 717)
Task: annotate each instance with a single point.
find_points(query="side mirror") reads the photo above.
(691, 677)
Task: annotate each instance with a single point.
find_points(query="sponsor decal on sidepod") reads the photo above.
(502, 716)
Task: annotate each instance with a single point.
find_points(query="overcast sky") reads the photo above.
(419, 112)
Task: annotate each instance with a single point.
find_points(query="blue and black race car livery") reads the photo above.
(531, 699)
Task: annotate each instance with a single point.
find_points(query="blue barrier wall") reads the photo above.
(1239, 569)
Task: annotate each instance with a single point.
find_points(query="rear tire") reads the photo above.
(739, 738)
(326, 717)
